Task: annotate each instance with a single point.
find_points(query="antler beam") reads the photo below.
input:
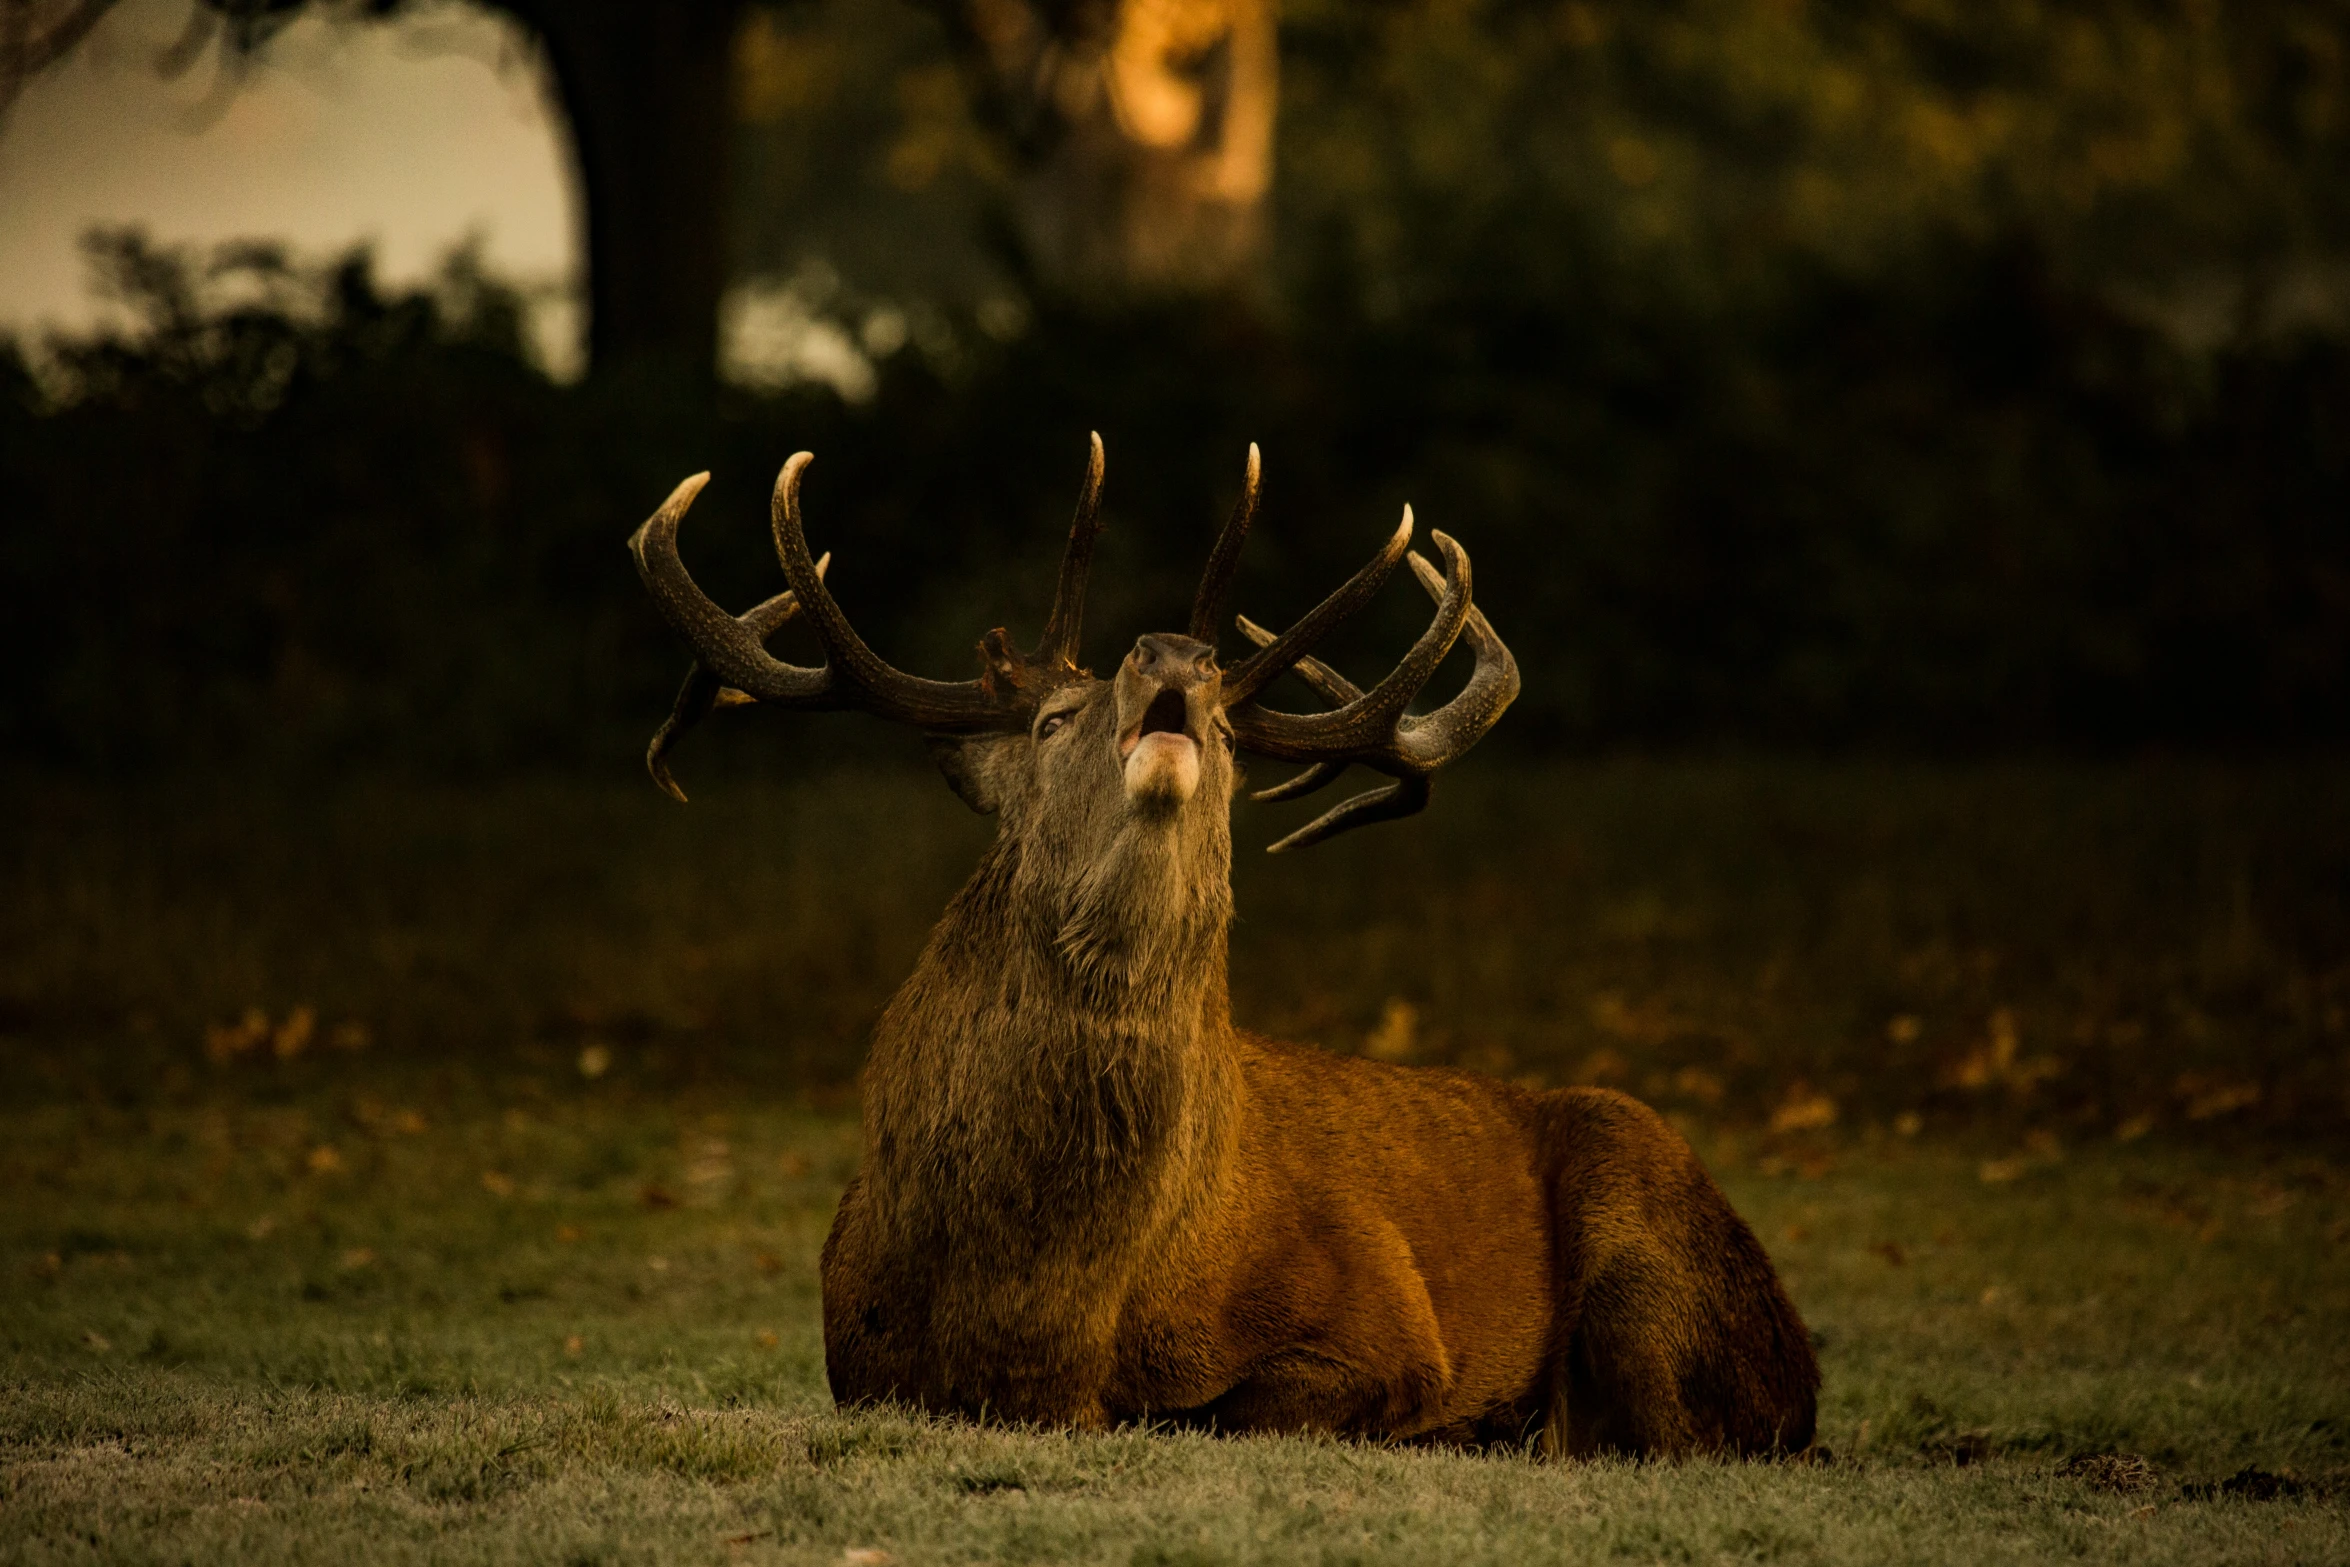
(733, 665)
(1371, 727)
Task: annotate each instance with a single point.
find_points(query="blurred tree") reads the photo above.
(35, 34)
(644, 88)
(1143, 131)
(1709, 149)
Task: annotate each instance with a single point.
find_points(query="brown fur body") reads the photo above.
(1088, 1198)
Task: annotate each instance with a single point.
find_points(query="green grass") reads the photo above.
(582, 1326)
(450, 1296)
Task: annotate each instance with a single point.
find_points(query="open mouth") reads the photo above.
(1167, 715)
(1162, 758)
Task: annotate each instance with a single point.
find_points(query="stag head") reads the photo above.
(1085, 764)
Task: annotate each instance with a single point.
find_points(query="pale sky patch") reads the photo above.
(411, 135)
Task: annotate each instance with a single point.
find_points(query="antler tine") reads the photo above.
(1208, 604)
(725, 646)
(1252, 674)
(857, 676)
(1057, 648)
(1409, 749)
(1433, 739)
(703, 691)
(1370, 716)
(1333, 688)
(1390, 802)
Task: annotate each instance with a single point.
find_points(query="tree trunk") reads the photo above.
(648, 89)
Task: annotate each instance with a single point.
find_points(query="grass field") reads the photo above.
(438, 1174)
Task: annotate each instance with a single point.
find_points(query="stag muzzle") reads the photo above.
(1168, 692)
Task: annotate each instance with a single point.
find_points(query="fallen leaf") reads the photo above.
(1997, 1172)
(769, 1263)
(358, 1257)
(768, 1339)
(794, 1165)
(1803, 1111)
(224, 1042)
(656, 1198)
(567, 1233)
(497, 1183)
(1908, 1124)
(1695, 1082)
(1891, 1251)
(1601, 1066)
(324, 1160)
(350, 1034)
(2135, 1127)
(2207, 1099)
(1397, 1036)
(262, 1228)
(574, 1345)
(95, 1340)
(2270, 1202)
(595, 1061)
(292, 1037)
(1796, 1233)
(1997, 1060)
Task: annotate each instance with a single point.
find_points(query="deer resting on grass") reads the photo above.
(1088, 1197)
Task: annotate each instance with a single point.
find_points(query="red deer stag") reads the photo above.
(1088, 1197)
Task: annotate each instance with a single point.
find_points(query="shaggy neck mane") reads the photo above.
(1060, 1060)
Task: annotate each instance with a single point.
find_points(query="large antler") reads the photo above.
(735, 667)
(703, 692)
(1371, 727)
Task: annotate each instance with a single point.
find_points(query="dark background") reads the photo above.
(1907, 447)
(1832, 376)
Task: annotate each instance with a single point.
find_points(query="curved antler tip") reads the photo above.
(1255, 460)
(687, 488)
(792, 467)
(659, 768)
(823, 562)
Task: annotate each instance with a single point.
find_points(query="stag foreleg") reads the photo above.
(1345, 1337)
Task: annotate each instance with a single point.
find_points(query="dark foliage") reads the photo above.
(1960, 507)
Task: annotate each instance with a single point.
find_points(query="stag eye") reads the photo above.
(1051, 725)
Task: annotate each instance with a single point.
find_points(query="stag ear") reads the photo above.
(967, 762)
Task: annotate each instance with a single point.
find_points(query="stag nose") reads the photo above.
(1170, 657)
